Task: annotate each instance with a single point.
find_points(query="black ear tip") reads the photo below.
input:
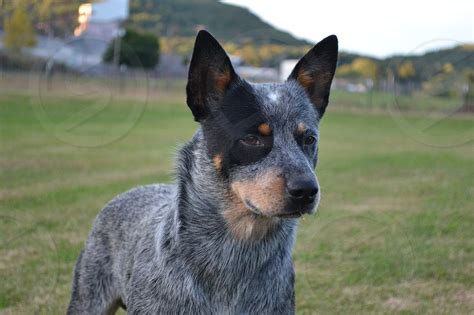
(331, 40)
(329, 45)
(204, 35)
(205, 39)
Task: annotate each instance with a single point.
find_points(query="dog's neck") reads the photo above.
(203, 231)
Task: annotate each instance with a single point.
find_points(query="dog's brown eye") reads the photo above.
(310, 140)
(251, 140)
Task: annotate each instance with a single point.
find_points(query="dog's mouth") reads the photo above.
(256, 211)
(291, 215)
(253, 208)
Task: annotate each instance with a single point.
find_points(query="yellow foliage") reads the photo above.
(257, 55)
(18, 29)
(448, 67)
(47, 15)
(362, 67)
(253, 55)
(366, 67)
(176, 45)
(44, 9)
(406, 70)
(344, 70)
(468, 47)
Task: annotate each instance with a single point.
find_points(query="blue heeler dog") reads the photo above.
(220, 240)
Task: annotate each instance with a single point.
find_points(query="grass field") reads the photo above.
(394, 233)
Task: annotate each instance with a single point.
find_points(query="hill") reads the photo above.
(244, 34)
(446, 63)
(182, 18)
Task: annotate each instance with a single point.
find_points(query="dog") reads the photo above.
(220, 240)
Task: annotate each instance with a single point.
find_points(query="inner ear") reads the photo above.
(220, 79)
(315, 72)
(210, 75)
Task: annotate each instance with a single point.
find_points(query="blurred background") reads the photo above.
(92, 103)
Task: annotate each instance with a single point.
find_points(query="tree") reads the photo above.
(366, 67)
(406, 70)
(50, 17)
(360, 67)
(136, 50)
(19, 32)
(468, 96)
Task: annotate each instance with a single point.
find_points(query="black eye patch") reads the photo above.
(243, 154)
(237, 116)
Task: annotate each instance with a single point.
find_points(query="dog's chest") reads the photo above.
(245, 299)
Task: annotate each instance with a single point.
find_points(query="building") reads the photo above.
(102, 20)
(286, 66)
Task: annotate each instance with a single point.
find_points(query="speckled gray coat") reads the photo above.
(139, 254)
(168, 249)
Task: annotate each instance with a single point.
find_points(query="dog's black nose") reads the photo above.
(302, 189)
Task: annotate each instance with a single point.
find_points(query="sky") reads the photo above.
(375, 28)
(107, 10)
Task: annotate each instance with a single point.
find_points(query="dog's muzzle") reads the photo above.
(301, 195)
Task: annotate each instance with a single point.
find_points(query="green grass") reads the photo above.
(391, 100)
(394, 232)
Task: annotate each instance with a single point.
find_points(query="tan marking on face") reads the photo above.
(265, 129)
(217, 160)
(222, 80)
(265, 193)
(301, 128)
(244, 225)
(305, 79)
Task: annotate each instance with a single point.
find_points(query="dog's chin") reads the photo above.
(293, 215)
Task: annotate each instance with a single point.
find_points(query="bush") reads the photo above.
(136, 50)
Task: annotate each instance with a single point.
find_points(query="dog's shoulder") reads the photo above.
(136, 205)
(143, 196)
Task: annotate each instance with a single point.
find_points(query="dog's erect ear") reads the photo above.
(210, 75)
(315, 72)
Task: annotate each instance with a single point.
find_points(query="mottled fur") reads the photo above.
(220, 240)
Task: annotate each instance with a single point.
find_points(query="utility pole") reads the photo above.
(468, 105)
(117, 47)
(116, 61)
